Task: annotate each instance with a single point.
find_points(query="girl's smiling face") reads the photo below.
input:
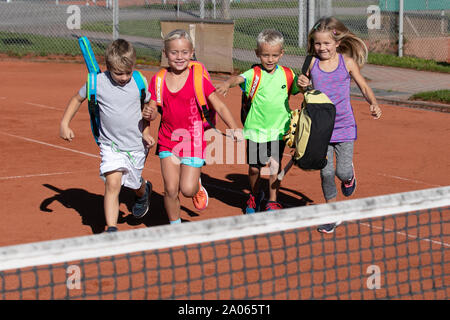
(179, 52)
(325, 46)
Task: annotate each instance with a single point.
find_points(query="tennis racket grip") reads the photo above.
(88, 55)
(285, 169)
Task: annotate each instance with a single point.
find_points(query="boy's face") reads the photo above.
(121, 77)
(269, 55)
(179, 52)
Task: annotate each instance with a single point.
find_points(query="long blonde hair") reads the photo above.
(350, 44)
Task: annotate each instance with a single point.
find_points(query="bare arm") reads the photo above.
(150, 111)
(304, 81)
(223, 87)
(367, 92)
(225, 115)
(65, 132)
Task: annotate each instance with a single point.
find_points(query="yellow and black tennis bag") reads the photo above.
(311, 128)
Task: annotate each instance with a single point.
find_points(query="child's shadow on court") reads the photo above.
(234, 191)
(90, 207)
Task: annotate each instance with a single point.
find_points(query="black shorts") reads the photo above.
(258, 154)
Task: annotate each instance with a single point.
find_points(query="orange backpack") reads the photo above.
(208, 115)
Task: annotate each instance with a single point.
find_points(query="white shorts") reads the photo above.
(130, 163)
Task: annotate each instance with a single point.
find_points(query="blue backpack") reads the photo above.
(91, 93)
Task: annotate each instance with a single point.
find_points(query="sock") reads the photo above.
(175, 221)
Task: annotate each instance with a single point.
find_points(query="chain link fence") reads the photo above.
(43, 27)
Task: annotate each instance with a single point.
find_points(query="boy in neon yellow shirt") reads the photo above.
(269, 116)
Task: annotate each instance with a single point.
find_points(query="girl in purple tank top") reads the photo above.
(338, 57)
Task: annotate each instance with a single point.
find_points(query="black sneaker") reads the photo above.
(142, 204)
(349, 187)
(328, 228)
(111, 229)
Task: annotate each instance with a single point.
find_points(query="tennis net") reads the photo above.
(388, 247)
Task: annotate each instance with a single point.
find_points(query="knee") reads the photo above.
(113, 185)
(171, 191)
(189, 191)
(253, 170)
(327, 173)
(344, 174)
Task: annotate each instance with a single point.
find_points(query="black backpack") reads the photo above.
(311, 128)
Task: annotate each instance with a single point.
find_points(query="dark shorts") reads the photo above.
(258, 154)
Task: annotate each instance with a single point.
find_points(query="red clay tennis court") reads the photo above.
(51, 190)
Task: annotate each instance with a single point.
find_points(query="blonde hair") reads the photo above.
(271, 37)
(177, 34)
(120, 56)
(350, 44)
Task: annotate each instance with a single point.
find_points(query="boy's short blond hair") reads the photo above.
(120, 56)
(271, 37)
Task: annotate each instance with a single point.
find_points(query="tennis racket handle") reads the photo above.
(285, 169)
(88, 55)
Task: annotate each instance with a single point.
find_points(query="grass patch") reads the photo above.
(25, 45)
(139, 28)
(19, 45)
(246, 31)
(408, 62)
(435, 96)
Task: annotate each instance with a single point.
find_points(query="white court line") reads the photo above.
(443, 244)
(37, 105)
(410, 180)
(50, 145)
(62, 148)
(42, 106)
(400, 178)
(39, 175)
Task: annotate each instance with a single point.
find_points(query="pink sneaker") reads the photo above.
(201, 198)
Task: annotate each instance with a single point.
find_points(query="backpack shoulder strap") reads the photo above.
(200, 72)
(139, 79)
(306, 64)
(255, 82)
(200, 66)
(159, 86)
(289, 78)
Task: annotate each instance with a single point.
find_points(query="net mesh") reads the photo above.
(375, 256)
